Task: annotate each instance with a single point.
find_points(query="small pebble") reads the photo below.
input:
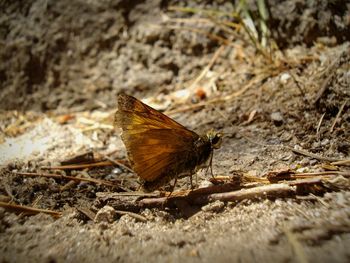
(284, 78)
(324, 142)
(277, 118)
(105, 214)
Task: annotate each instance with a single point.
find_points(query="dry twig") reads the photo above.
(207, 68)
(28, 209)
(274, 190)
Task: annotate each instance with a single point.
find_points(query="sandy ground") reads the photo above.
(62, 66)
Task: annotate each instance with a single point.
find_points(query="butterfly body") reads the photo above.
(159, 148)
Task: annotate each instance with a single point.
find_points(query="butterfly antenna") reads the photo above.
(226, 118)
(238, 131)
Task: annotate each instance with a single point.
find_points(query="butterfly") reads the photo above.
(159, 148)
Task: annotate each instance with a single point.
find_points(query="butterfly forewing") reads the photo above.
(156, 144)
(144, 115)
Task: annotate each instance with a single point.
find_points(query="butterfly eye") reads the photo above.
(216, 141)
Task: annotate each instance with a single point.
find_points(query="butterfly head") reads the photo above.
(215, 139)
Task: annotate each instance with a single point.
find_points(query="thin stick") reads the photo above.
(113, 195)
(312, 155)
(28, 209)
(343, 173)
(319, 126)
(312, 175)
(306, 181)
(299, 87)
(134, 215)
(279, 190)
(342, 162)
(337, 117)
(119, 164)
(59, 176)
(78, 166)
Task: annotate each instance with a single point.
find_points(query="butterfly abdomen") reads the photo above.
(203, 149)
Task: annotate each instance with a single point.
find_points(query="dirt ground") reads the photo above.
(283, 112)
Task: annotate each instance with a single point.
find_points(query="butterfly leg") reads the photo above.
(173, 187)
(196, 179)
(191, 181)
(210, 166)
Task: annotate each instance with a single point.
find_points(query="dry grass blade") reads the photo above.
(28, 209)
(226, 98)
(247, 23)
(319, 126)
(276, 176)
(207, 68)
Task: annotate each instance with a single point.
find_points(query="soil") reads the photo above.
(63, 64)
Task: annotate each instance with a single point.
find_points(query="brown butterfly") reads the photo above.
(159, 148)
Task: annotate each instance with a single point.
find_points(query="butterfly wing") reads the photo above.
(156, 144)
